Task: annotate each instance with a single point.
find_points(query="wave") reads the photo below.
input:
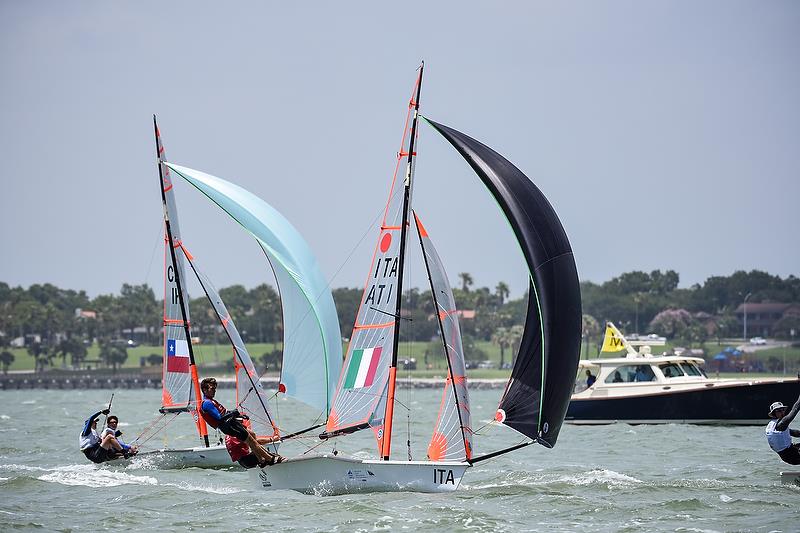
(193, 487)
(23, 468)
(591, 477)
(91, 476)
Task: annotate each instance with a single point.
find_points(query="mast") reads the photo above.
(387, 438)
(201, 425)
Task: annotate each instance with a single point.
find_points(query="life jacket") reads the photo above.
(236, 448)
(210, 420)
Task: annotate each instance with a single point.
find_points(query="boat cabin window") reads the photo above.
(584, 381)
(631, 374)
(671, 370)
(690, 369)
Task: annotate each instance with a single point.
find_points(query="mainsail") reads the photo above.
(180, 388)
(538, 392)
(312, 354)
(452, 437)
(177, 388)
(366, 385)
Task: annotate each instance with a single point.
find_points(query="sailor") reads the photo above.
(111, 429)
(96, 449)
(779, 436)
(240, 451)
(590, 378)
(230, 423)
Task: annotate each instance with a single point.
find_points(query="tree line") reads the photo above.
(48, 318)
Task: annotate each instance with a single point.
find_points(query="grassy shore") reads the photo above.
(220, 357)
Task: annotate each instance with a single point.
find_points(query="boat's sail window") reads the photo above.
(671, 370)
(631, 374)
(690, 369)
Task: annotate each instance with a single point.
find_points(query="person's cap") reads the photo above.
(775, 406)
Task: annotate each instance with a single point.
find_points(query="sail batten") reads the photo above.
(538, 392)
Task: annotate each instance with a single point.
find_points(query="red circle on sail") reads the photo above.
(386, 241)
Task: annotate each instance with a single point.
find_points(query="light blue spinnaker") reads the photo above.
(312, 354)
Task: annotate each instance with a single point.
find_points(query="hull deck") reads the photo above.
(330, 475)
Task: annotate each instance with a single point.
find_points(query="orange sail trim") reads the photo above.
(175, 322)
(186, 252)
(201, 423)
(387, 423)
(373, 326)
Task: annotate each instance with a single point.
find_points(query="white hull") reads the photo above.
(199, 457)
(328, 475)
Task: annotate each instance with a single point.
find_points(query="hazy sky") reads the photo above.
(665, 134)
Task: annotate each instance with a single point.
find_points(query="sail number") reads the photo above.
(171, 279)
(381, 292)
(443, 476)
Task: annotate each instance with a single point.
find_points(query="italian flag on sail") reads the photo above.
(362, 368)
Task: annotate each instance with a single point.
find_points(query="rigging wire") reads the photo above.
(159, 239)
(152, 425)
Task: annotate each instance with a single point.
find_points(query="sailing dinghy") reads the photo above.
(312, 346)
(535, 399)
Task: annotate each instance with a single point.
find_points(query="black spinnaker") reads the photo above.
(538, 393)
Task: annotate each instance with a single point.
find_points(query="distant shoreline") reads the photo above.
(20, 381)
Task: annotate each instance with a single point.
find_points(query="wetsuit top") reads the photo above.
(778, 440)
(212, 412)
(89, 436)
(236, 448)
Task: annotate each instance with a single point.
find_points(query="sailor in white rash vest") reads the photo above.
(779, 436)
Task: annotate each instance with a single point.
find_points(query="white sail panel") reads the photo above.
(177, 387)
(452, 436)
(312, 356)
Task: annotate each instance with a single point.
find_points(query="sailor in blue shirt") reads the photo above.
(779, 436)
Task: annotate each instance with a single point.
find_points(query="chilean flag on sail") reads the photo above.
(177, 356)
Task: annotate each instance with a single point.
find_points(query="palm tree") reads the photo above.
(502, 292)
(466, 281)
(74, 348)
(113, 354)
(502, 338)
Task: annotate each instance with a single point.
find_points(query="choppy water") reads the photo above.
(608, 478)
